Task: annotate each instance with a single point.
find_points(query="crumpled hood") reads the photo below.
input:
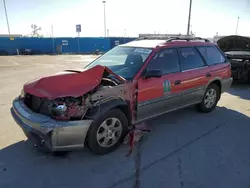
(68, 83)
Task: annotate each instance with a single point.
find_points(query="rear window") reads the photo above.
(211, 54)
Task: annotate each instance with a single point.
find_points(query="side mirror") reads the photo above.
(153, 73)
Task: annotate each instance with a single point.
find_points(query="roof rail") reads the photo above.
(186, 39)
(152, 38)
(170, 39)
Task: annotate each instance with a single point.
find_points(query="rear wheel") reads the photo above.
(107, 132)
(210, 99)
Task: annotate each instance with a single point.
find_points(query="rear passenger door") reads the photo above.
(159, 95)
(218, 65)
(194, 76)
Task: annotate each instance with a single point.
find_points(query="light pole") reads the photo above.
(104, 11)
(237, 26)
(189, 17)
(52, 36)
(6, 15)
(107, 32)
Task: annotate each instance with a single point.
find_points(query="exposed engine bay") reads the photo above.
(77, 108)
(240, 65)
(237, 51)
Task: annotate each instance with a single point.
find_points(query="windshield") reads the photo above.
(124, 61)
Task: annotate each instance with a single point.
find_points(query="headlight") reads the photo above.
(22, 94)
(59, 109)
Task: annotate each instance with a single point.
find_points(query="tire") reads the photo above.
(107, 132)
(207, 106)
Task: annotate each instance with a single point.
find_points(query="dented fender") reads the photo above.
(107, 99)
(100, 109)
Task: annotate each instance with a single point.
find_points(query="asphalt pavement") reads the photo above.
(185, 149)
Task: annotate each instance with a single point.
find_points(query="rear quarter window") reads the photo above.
(211, 54)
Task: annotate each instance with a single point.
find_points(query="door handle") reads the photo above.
(177, 82)
(208, 75)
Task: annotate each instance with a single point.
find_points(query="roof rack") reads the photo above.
(170, 39)
(186, 39)
(153, 38)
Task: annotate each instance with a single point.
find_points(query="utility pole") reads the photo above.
(6, 15)
(52, 36)
(237, 26)
(104, 11)
(78, 41)
(107, 32)
(189, 17)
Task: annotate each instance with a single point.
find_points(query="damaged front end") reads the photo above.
(74, 99)
(237, 51)
(59, 109)
(64, 109)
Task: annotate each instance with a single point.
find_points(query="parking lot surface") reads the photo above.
(185, 149)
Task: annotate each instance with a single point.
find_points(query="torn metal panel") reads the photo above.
(135, 135)
(106, 98)
(105, 93)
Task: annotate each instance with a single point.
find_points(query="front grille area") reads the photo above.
(37, 104)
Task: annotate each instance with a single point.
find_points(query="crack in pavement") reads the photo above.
(180, 171)
(179, 166)
(138, 164)
(169, 154)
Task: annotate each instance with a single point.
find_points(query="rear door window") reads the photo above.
(166, 60)
(190, 59)
(211, 54)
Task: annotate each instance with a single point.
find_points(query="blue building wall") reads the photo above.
(55, 45)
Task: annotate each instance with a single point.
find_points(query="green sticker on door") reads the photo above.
(166, 86)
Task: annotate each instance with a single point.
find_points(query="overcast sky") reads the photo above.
(136, 16)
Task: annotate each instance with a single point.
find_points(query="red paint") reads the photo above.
(67, 83)
(194, 78)
(221, 70)
(153, 88)
(140, 90)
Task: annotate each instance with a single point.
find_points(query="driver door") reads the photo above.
(162, 94)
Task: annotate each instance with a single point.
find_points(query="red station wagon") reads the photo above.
(131, 83)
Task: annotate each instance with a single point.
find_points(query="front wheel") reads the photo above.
(210, 99)
(107, 132)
